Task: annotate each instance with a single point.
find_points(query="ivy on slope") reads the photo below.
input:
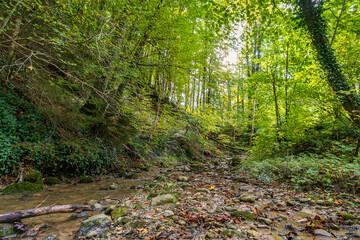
(28, 140)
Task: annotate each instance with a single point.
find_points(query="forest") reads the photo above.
(241, 109)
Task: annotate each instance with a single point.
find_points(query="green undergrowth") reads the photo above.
(307, 172)
(28, 140)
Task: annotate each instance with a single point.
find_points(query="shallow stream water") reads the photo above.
(61, 223)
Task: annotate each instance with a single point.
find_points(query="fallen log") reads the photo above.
(12, 216)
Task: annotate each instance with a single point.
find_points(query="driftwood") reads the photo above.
(12, 216)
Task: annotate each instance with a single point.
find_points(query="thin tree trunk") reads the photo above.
(286, 83)
(253, 120)
(337, 23)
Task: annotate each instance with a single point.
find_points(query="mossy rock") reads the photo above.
(34, 177)
(52, 180)
(347, 216)
(137, 224)
(86, 179)
(119, 212)
(7, 230)
(22, 187)
(232, 233)
(244, 214)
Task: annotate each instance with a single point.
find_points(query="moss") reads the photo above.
(52, 180)
(34, 177)
(347, 216)
(118, 212)
(86, 179)
(244, 214)
(6, 230)
(22, 187)
(231, 233)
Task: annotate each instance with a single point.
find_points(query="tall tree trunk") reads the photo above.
(286, 83)
(311, 12)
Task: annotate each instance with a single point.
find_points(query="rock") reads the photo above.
(182, 222)
(244, 214)
(348, 222)
(266, 221)
(80, 214)
(282, 217)
(52, 180)
(322, 233)
(7, 230)
(119, 212)
(254, 234)
(290, 203)
(96, 206)
(210, 235)
(260, 226)
(346, 216)
(232, 233)
(86, 179)
(229, 209)
(137, 224)
(203, 190)
(95, 226)
(334, 227)
(321, 202)
(304, 200)
(168, 213)
(162, 199)
(182, 179)
(124, 220)
(51, 237)
(114, 186)
(248, 199)
(23, 187)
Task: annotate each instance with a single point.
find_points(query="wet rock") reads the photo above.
(353, 235)
(114, 186)
(248, 199)
(282, 217)
(86, 179)
(95, 226)
(182, 222)
(80, 215)
(183, 179)
(168, 213)
(51, 237)
(162, 199)
(266, 221)
(7, 230)
(322, 233)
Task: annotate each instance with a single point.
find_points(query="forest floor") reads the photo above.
(211, 202)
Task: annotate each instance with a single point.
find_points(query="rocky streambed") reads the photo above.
(208, 202)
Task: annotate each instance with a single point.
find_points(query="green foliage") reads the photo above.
(158, 189)
(308, 171)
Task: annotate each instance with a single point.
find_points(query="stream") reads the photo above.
(79, 194)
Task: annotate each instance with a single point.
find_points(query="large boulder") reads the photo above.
(95, 226)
